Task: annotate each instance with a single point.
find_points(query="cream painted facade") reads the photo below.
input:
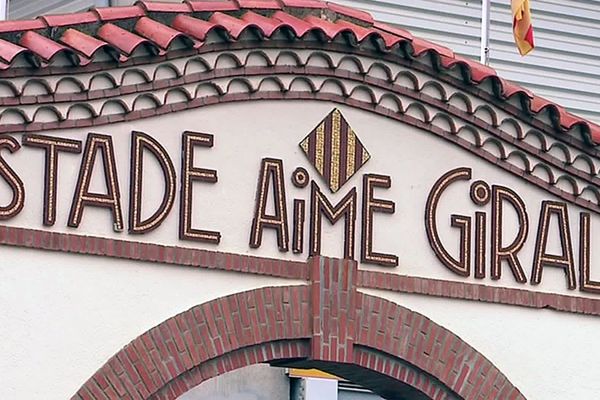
(65, 296)
(66, 313)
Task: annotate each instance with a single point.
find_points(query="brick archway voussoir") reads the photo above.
(326, 324)
(406, 335)
(191, 341)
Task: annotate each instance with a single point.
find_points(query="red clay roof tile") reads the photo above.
(115, 13)
(156, 35)
(539, 103)
(156, 32)
(360, 32)
(8, 51)
(389, 39)
(155, 6)
(568, 120)
(510, 88)
(123, 40)
(267, 25)
(330, 29)
(42, 46)
(594, 130)
(194, 27)
(421, 46)
(85, 44)
(303, 3)
(299, 26)
(233, 25)
(393, 30)
(478, 71)
(351, 12)
(223, 5)
(70, 19)
(21, 26)
(264, 4)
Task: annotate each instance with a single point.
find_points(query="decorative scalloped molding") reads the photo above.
(492, 88)
(417, 119)
(427, 103)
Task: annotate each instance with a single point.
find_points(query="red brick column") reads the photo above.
(333, 309)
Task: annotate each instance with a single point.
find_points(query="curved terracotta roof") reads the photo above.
(156, 26)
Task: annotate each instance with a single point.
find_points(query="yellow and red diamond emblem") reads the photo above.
(334, 150)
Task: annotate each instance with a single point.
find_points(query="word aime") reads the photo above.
(271, 191)
(100, 147)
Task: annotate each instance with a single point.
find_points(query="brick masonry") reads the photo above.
(327, 324)
(333, 297)
(180, 256)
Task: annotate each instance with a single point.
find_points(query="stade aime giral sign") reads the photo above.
(409, 211)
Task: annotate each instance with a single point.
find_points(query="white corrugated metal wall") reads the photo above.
(23, 9)
(565, 66)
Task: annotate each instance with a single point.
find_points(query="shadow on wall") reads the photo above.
(256, 382)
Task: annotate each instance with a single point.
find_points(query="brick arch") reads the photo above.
(326, 324)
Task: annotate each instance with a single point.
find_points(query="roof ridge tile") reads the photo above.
(115, 13)
(303, 3)
(351, 12)
(22, 25)
(57, 20)
(212, 6)
(260, 4)
(161, 6)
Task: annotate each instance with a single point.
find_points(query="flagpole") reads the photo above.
(485, 32)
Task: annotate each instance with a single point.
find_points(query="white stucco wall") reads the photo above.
(544, 353)
(413, 158)
(52, 340)
(64, 315)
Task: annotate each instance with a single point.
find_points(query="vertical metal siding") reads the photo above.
(453, 23)
(26, 9)
(564, 67)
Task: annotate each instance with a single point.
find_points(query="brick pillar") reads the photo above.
(333, 301)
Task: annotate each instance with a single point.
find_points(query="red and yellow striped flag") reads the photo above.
(522, 27)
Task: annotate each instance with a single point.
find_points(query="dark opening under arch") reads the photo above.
(327, 324)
